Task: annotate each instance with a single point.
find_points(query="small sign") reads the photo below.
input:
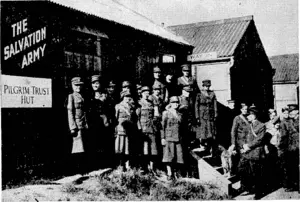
(25, 92)
(168, 58)
(202, 56)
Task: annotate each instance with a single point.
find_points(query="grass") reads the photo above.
(133, 185)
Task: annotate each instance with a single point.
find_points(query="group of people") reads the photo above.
(153, 125)
(146, 126)
(266, 154)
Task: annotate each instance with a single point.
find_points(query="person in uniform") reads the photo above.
(206, 115)
(126, 123)
(186, 79)
(171, 137)
(186, 108)
(78, 125)
(99, 122)
(292, 153)
(146, 120)
(283, 147)
(157, 82)
(253, 152)
(239, 132)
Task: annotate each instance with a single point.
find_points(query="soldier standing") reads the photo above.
(146, 117)
(239, 132)
(171, 137)
(292, 160)
(77, 124)
(157, 82)
(186, 79)
(206, 114)
(254, 153)
(127, 122)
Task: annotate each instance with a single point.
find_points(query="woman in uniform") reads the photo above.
(171, 137)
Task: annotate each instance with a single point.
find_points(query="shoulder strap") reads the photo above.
(243, 118)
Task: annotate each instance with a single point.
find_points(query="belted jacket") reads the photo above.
(145, 115)
(76, 112)
(171, 126)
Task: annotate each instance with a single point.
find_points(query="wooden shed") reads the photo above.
(230, 53)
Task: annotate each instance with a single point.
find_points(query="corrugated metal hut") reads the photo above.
(285, 80)
(44, 44)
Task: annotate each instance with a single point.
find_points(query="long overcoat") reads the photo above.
(206, 113)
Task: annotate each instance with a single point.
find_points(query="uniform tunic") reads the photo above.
(163, 88)
(239, 132)
(171, 132)
(146, 116)
(253, 164)
(186, 81)
(126, 118)
(206, 112)
(77, 121)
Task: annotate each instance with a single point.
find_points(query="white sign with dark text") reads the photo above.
(25, 92)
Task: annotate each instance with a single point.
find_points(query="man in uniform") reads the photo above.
(186, 79)
(78, 126)
(206, 114)
(253, 151)
(290, 135)
(157, 82)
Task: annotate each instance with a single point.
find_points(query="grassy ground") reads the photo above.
(117, 185)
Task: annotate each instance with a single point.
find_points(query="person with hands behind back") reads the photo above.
(171, 137)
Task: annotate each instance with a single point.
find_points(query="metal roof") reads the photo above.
(221, 36)
(114, 11)
(286, 68)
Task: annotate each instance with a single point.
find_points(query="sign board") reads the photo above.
(168, 58)
(25, 92)
(202, 56)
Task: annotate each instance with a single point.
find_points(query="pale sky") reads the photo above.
(275, 20)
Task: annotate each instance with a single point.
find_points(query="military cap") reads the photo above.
(138, 86)
(145, 88)
(206, 82)
(272, 111)
(284, 109)
(293, 107)
(111, 83)
(174, 99)
(187, 88)
(95, 78)
(125, 94)
(77, 81)
(126, 84)
(156, 69)
(253, 110)
(185, 67)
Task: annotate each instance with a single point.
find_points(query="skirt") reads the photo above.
(78, 145)
(150, 144)
(122, 144)
(172, 152)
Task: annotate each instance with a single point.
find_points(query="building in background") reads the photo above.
(285, 80)
(46, 43)
(230, 53)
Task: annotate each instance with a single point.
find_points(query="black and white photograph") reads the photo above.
(149, 100)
